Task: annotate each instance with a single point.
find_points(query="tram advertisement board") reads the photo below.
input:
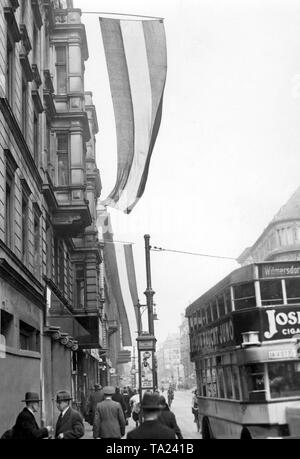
(272, 323)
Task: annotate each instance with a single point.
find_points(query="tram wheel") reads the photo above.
(246, 435)
(206, 430)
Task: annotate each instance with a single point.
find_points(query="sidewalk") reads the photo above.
(89, 429)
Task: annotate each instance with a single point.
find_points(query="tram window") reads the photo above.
(244, 296)
(221, 305)
(209, 314)
(235, 378)
(255, 381)
(228, 381)
(228, 300)
(292, 290)
(199, 319)
(284, 379)
(221, 384)
(214, 310)
(204, 317)
(271, 292)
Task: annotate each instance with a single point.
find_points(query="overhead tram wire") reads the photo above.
(122, 14)
(160, 249)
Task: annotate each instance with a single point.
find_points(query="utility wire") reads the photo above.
(160, 249)
(121, 14)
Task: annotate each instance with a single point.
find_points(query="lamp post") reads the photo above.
(146, 341)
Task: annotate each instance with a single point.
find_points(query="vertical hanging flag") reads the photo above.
(136, 58)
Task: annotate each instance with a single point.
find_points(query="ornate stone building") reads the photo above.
(51, 281)
(281, 239)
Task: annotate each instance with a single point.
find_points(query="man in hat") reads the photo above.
(69, 425)
(96, 397)
(151, 427)
(26, 426)
(109, 417)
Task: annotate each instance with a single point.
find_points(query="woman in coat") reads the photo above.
(168, 418)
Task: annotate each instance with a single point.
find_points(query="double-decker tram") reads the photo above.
(244, 338)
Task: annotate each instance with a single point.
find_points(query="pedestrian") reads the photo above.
(69, 425)
(170, 395)
(127, 404)
(168, 418)
(135, 407)
(109, 419)
(26, 427)
(151, 427)
(95, 397)
(118, 397)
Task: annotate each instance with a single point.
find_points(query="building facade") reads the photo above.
(53, 332)
(280, 241)
(189, 375)
(169, 367)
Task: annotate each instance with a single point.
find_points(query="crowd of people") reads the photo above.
(107, 411)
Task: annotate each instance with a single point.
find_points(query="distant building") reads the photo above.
(281, 239)
(168, 360)
(189, 377)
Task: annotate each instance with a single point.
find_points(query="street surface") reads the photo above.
(181, 407)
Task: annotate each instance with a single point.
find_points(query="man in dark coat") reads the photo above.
(26, 426)
(151, 428)
(109, 417)
(69, 425)
(167, 417)
(96, 397)
(118, 397)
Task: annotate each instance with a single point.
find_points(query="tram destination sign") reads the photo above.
(279, 270)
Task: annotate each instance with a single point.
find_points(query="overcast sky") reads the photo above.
(227, 155)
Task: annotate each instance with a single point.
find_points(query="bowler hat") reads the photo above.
(109, 390)
(151, 401)
(31, 397)
(97, 386)
(63, 396)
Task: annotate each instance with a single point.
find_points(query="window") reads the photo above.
(284, 379)
(271, 292)
(228, 381)
(37, 241)
(35, 44)
(227, 298)
(24, 227)
(6, 321)
(48, 249)
(80, 286)
(8, 210)
(254, 382)
(61, 70)
(214, 310)
(36, 133)
(10, 55)
(244, 296)
(292, 290)
(221, 306)
(61, 267)
(235, 380)
(24, 108)
(209, 314)
(29, 337)
(63, 159)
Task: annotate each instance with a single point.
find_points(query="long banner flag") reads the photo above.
(121, 278)
(136, 58)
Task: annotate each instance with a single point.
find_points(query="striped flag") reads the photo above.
(121, 279)
(136, 60)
